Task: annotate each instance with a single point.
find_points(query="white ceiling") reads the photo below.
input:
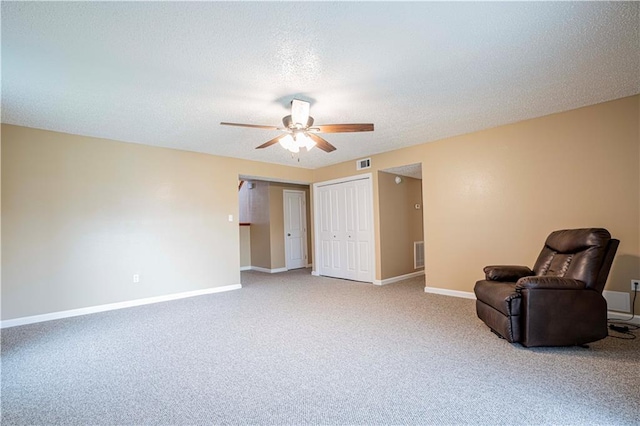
(408, 170)
(166, 73)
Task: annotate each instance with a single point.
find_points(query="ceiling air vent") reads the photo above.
(365, 163)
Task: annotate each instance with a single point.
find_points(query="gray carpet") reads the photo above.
(295, 349)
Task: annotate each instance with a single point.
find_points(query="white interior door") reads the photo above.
(344, 213)
(333, 256)
(295, 229)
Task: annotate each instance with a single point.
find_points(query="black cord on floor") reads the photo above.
(625, 332)
(623, 326)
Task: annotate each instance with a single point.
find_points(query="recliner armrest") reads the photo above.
(511, 273)
(550, 283)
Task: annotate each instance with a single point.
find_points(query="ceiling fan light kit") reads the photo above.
(297, 141)
(300, 133)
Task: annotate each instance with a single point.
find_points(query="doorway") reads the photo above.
(262, 234)
(401, 223)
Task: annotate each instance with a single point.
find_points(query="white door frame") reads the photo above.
(317, 255)
(304, 227)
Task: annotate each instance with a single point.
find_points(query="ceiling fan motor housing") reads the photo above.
(289, 124)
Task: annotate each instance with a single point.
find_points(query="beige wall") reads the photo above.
(81, 215)
(493, 196)
(260, 219)
(245, 246)
(400, 223)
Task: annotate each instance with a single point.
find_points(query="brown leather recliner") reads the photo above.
(559, 302)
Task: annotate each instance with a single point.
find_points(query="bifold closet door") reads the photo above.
(345, 230)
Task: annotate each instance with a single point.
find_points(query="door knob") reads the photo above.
(288, 235)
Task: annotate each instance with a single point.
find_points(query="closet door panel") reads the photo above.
(345, 230)
(364, 220)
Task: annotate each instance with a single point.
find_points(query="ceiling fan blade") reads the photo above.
(256, 126)
(321, 143)
(299, 111)
(269, 143)
(343, 128)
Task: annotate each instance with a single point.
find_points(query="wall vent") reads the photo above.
(418, 254)
(365, 163)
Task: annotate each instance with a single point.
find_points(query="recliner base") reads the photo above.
(507, 327)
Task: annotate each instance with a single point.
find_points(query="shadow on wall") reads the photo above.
(626, 267)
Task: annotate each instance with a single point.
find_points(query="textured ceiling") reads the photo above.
(409, 170)
(166, 73)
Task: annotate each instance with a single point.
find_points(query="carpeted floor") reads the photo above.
(295, 349)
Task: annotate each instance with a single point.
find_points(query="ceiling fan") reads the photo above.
(300, 131)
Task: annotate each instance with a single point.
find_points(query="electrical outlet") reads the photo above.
(635, 285)
(136, 278)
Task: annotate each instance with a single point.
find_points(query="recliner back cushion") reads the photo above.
(574, 253)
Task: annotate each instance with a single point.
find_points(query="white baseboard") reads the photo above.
(315, 273)
(398, 278)
(471, 295)
(245, 268)
(447, 292)
(267, 270)
(113, 306)
(623, 317)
